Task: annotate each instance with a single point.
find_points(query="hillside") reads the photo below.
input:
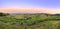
(29, 21)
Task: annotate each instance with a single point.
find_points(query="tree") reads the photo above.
(4, 14)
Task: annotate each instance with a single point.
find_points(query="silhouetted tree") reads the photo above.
(4, 14)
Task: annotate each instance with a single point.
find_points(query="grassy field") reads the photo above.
(29, 21)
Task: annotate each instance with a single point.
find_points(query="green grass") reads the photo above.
(29, 22)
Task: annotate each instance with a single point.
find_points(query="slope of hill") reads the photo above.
(30, 21)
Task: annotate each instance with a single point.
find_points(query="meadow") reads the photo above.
(29, 21)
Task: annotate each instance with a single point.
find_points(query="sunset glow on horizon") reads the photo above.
(31, 10)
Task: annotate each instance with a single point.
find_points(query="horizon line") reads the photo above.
(37, 10)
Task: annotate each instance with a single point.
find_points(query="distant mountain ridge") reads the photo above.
(57, 14)
(33, 13)
(36, 13)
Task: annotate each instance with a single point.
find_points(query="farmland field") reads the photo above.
(30, 21)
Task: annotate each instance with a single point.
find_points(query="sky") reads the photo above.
(49, 4)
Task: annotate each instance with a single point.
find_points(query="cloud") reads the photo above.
(36, 10)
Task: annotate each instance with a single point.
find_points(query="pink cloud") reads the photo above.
(27, 10)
